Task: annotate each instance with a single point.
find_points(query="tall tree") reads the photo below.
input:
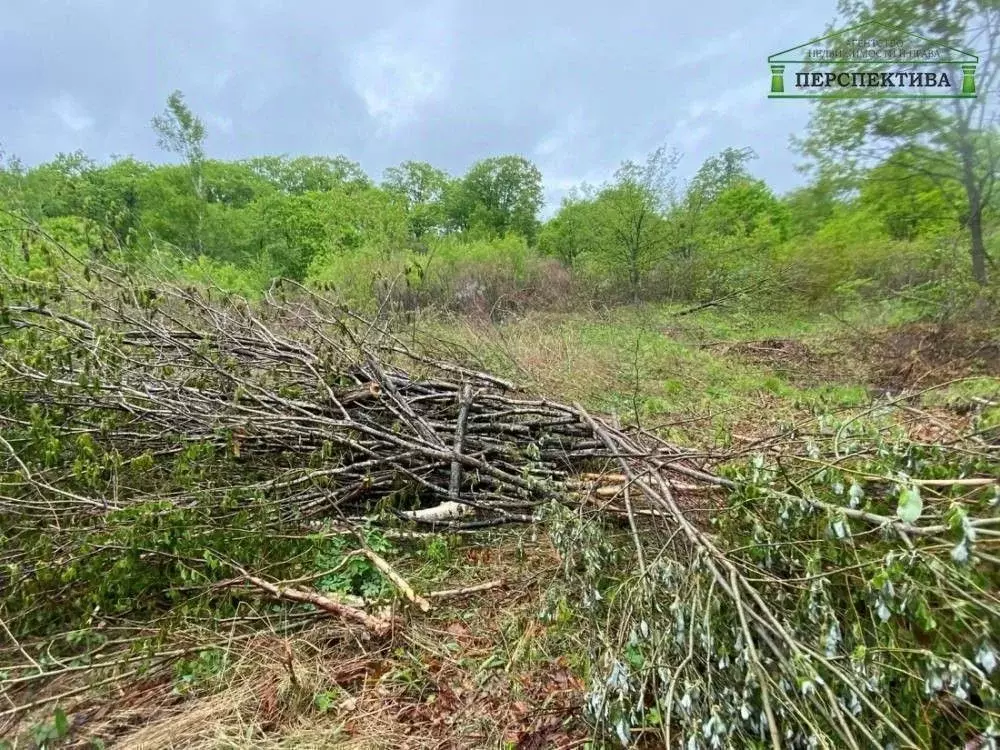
(713, 178)
(423, 189)
(305, 174)
(499, 195)
(950, 141)
(570, 234)
(180, 132)
(630, 211)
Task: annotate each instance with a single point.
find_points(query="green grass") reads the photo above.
(633, 363)
(687, 374)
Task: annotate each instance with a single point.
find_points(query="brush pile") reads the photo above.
(303, 403)
(161, 447)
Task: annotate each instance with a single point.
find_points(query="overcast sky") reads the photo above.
(576, 86)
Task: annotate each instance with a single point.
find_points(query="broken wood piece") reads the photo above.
(398, 581)
(455, 483)
(378, 626)
(448, 593)
(445, 511)
(370, 391)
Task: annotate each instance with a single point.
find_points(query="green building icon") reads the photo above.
(851, 47)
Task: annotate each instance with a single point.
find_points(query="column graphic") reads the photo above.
(968, 79)
(777, 79)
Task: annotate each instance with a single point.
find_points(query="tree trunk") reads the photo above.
(978, 247)
(633, 279)
(199, 191)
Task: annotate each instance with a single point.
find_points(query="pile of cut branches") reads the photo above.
(164, 451)
(847, 594)
(167, 452)
(298, 402)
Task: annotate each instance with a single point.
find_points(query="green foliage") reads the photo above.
(179, 130)
(949, 144)
(852, 250)
(878, 224)
(497, 196)
(424, 189)
(570, 235)
(308, 174)
(866, 607)
(349, 573)
(248, 279)
(909, 202)
(199, 672)
(484, 277)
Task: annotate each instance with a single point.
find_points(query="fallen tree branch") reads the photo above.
(375, 625)
(397, 580)
(464, 591)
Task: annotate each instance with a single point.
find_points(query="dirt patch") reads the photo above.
(794, 360)
(888, 360)
(921, 355)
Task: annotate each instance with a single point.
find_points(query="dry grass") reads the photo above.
(478, 671)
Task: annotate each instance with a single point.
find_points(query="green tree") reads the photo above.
(180, 132)
(743, 207)
(112, 198)
(293, 229)
(307, 174)
(55, 188)
(423, 189)
(12, 173)
(952, 141)
(909, 202)
(169, 209)
(715, 176)
(499, 195)
(571, 234)
(233, 183)
(632, 231)
(808, 207)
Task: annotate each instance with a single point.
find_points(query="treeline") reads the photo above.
(476, 242)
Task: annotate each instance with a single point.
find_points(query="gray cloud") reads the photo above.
(575, 86)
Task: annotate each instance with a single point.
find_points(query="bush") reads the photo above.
(851, 256)
(482, 278)
(250, 279)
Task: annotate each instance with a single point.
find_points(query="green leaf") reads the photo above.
(61, 723)
(911, 505)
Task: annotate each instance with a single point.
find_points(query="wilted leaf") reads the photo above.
(911, 505)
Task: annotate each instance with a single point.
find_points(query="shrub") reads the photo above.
(483, 278)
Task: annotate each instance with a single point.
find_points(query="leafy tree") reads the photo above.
(743, 207)
(180, 132)
(54, 188)
(810, 206)
(633, 234)
(233, 184)
(423, 188)
(170, 210)
(295, 229)
(305, 174)
(112, 197)
(499, 195)
(909, 202)
(11, 178)
(952, 142)
(716, 175)
(571, 233)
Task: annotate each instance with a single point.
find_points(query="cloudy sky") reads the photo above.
(575, 85)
